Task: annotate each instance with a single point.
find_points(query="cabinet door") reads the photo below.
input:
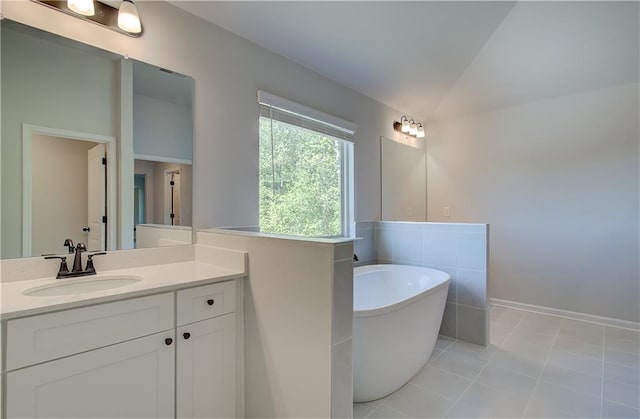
(134, 379)
(206, 369)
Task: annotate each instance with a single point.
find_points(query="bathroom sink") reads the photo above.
(82, 285)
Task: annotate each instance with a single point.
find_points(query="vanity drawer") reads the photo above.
(195, 304)
(36, 339)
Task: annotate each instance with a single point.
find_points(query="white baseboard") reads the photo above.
(573, 315)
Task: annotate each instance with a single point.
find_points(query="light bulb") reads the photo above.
(405, 124)
(413, 130)
(128, 18)
(420, 133)
(82, 7)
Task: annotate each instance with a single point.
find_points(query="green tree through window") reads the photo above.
(300, 181)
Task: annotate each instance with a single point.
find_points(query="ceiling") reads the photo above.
(438, 59)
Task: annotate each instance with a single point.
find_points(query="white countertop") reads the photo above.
(156, 279)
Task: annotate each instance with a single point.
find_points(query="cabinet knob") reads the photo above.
(210, 301)
(168, 341)
(186, 335)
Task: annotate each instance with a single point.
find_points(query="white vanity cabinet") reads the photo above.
(161, 356)
(206, 352)
(133, 379)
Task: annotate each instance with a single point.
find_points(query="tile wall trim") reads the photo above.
(573, 315)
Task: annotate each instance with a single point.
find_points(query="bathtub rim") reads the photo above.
(389, 308)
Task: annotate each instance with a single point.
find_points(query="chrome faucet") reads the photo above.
(63, 271)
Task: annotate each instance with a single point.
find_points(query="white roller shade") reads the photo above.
(289, 112)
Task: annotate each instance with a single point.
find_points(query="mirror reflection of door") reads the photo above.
(172, 197)
(139, 198)
(68, 193)
(96, 197)
(156, 199)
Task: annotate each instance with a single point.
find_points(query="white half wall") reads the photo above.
(558, 182)
(288, 324)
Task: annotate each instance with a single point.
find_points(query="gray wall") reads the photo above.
(558, 182)
(161, 128)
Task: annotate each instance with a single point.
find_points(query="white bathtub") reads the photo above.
(397, 311)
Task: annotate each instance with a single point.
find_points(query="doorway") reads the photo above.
(67, 184)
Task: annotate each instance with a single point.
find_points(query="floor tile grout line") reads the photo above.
(621, 404)
(544, 365)
(379, 406)
(473, 380)
(513, 330)
(384, 402)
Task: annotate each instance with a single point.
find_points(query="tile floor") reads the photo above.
(537, 366)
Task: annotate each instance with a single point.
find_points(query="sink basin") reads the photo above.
(82, 285)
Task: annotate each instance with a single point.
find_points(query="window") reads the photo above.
(305, 170)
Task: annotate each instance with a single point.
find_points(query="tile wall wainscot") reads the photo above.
(363, 245)
(462, 250)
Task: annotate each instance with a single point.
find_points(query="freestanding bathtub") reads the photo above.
(397, 311)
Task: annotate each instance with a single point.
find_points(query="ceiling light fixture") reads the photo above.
(409, 127)
(82, 7)
(124, 19)
(128, 17)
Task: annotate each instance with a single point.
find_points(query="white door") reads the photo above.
(206, 369)
(96, 196)
(134, 379)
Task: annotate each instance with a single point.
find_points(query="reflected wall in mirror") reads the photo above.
(62, 112)
(163, 149)
(404, 180)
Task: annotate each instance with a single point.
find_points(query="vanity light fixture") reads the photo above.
(123, 19)
(413, 130)
(405, 124)
(82, 7)
(409, 127)
(128, 17)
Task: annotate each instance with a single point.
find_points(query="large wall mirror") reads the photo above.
(403, 180)
(66, 111)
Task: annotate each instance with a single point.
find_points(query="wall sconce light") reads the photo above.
(409, 127)
(124, 20)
